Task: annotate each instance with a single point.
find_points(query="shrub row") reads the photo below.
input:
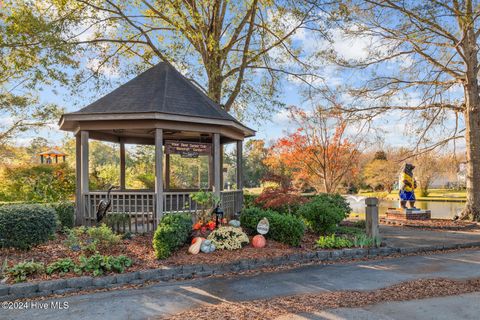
(287, 229)
(25, 225)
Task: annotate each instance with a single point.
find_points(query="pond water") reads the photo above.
(440, 209)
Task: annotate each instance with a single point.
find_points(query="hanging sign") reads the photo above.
(187, 149)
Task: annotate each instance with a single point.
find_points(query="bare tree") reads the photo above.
(235, 50)
(422, 60)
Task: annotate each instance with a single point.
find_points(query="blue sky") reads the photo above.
(393, 127)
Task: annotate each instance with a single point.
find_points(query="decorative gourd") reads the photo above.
(196, 239)
(234, 223)
(207, 246)
(195, 248)
(259, 241)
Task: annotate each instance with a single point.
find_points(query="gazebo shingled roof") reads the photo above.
(159, 93)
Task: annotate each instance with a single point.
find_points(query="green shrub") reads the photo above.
(65, 211)
(323, 213)
(229, 238)
(287, 229)
(172, 232)
(333, 242)
(26, 225)
(89, 238)
(335, 199)
(103, 236)
(97, 264)
(61, 266)
(22, 270)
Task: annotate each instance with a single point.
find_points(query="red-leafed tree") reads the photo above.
(320, 152)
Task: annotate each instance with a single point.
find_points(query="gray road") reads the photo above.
(174, 297)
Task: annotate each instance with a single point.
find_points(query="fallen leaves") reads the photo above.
(305, 303)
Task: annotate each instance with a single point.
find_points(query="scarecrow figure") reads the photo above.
(407, 186)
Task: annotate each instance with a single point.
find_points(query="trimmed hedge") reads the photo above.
(25, 225)
(324, 212)
(283, 228)
(65, 211)
(172, 232)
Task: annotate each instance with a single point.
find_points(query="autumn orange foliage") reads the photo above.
(319, 152)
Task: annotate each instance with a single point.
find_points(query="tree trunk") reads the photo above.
(472, 132)
(472, 139)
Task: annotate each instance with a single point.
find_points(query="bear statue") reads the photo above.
(407, 186)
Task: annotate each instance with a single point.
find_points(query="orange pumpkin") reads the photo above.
(259, 241)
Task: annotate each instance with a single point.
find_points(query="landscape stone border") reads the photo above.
(70, 285)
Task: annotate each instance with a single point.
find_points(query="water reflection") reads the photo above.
(440, 209)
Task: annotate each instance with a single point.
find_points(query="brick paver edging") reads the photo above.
(69, 285)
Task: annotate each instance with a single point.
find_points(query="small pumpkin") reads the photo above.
(195, 248)
(259, 241)
(207, 246)
(196, 239)
(234, 223)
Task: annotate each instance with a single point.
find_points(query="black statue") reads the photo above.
(104, 205)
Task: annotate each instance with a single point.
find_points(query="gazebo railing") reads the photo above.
(178, 202)
(129, 211)
(134, 211)
(231, 202)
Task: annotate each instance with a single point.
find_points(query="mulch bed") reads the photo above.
(310, 303)
(140, 250)
(433, 224)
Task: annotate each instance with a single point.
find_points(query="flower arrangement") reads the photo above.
(228, 238)
(203, 227)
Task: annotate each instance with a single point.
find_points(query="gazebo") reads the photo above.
(159, 107)
(49, 156)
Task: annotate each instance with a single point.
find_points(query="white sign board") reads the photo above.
(263, 226)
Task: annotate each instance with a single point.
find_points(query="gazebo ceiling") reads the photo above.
(158, 98)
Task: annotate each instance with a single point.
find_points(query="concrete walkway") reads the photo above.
(411, 237)
(171, 298)
(445, 308)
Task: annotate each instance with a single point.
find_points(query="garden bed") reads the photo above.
(433, 224)
(140, 250)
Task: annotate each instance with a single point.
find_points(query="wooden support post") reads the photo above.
(84, 171)
(210, 170)
(79, 208)
(239, 165)
(371, 213)
(216, 165)
(41, 159)
(122, 166)
(158, 175)
(167, 171)
(222, 182)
